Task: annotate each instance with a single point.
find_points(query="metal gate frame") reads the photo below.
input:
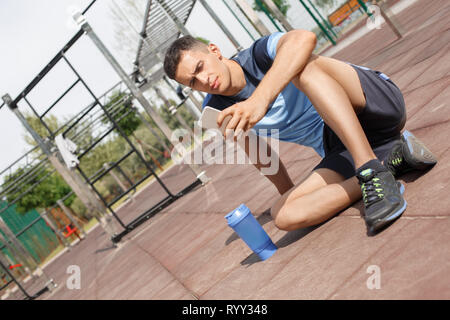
(13, 105)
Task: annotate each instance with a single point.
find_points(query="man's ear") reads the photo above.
(212, 48)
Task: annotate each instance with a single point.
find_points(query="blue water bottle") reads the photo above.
(248, 228)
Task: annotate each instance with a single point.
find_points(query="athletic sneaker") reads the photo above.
(382, 196)
(409, 154)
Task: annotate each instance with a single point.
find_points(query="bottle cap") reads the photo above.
(235, 216)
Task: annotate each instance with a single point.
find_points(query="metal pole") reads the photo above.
(267, 13)
(45, 148)
(192, 109)
(221, 25)
(191, 96)
(389, 21)
(278, 14)
(239, 20)
(124, 136)
(318, 23)
(77, 185)
(5, 268)
(182, 29)
(173, 17)
(16, 248)
(167, 105)
(363, 5)
(55, 229)
(149, 126)
(324, 21)
(119, 182)
(133, 88)
(174, 111)
(252, 17)
(70, 216)
(26, 259)
(141, 149)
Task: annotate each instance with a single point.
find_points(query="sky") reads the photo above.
(32, 32)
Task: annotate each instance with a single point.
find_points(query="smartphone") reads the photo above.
(208, 120)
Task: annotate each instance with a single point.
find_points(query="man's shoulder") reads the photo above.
(259, 54)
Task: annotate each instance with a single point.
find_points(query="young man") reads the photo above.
(352, 117)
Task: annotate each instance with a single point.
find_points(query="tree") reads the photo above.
(282, 5)
(43, 195)
(106, 151)
(122, 112)
(51, 121)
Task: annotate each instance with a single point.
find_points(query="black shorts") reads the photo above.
(382, 120)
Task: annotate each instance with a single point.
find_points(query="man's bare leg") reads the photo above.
(334, 89)
(321, 196)
(281, 179)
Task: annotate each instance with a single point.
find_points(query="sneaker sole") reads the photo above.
(417, 154)
(382, 222)
(401, 187)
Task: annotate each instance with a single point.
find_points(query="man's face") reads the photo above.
(203, 69)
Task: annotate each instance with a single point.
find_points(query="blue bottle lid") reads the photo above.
(235, 216)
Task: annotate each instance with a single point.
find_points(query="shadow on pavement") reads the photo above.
(289, 238)
(106, 249)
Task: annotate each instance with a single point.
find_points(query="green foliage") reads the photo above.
(187, 116)
(108, 151)
(43, 195)
(205, 41)
(168, 118)
(78, 207)
(146, 136)
(172, 121)
(282, 5)
(51, 121)
(119, 105)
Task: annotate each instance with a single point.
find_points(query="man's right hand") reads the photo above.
(244, 114)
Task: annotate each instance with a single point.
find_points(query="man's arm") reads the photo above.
(294, 49)
(280, 179)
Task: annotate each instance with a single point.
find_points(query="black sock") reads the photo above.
(374, 164)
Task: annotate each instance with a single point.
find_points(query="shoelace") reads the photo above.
(371, 189)
(396, 163)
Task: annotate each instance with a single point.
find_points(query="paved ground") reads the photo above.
(188, 252)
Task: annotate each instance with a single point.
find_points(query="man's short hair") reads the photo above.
(173, 54)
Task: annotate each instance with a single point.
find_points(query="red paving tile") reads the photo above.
(173, 291)
(256, 274)
(188, 252)
(434, 112)
(414, 264)
(415, 100)
(217, 267)
(434, 71)
(184, 243)
(327, 262)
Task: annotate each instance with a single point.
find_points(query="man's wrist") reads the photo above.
(260, 101)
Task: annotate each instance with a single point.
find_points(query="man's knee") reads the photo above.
(283, 219)
(308, 74)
